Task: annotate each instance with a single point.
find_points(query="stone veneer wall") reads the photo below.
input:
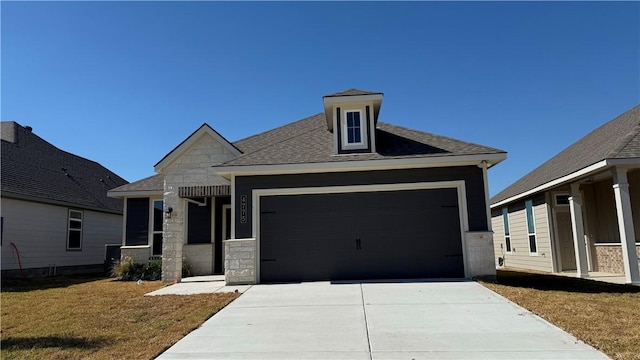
(609, 258)
(240, 261)
(192, 168)
(199, 257)
(480, 259)
(139, 254)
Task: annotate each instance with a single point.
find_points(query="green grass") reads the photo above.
(84, 317)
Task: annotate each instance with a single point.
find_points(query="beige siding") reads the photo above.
(520, 256)
(39, 232)
(498, 234)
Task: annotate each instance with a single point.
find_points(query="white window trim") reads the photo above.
(346, 145)
(508, 250)
(69, 229)
(152, 231)
(534, 233)
(555, 199)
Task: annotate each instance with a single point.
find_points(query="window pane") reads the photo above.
(75, 215)
(74, 239)
(530, 224)
(199, 224)
(507, 241)
(505, 218)
(562, 199)
(157, 244)
(75, 224)
(137, 221)
(157, 215)
(533, 247)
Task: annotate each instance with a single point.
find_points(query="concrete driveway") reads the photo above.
(394, 320)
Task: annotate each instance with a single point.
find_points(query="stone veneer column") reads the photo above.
(173, 236)
(240, 261)
(479, 253)
(625, 224)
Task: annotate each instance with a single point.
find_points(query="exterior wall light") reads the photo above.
(168, 212)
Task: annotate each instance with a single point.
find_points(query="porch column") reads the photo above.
(625, 225)
(577, 225)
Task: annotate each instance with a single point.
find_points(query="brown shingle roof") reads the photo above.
(34, 169)
(353, 92)
(617, 139)
(151, 183)
(308, 141)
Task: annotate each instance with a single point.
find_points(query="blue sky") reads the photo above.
(123, 83)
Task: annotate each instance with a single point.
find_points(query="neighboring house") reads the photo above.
(56, 216)
(337, 195)
(590, 191)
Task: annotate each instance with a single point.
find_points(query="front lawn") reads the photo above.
(605, 316)
(87, 317)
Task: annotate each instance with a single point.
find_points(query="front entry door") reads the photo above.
(565, 239)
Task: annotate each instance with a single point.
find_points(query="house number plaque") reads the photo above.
(243, 209)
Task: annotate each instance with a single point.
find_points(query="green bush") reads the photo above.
(129, 270)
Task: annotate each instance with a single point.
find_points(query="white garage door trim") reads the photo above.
(459, 185)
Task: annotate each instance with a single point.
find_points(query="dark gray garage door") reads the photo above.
(366, 235)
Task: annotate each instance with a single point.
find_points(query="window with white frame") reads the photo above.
(561, 199)
(353, 128)
(531, 227)
(157, 227)
(507, 234)
(74, 230)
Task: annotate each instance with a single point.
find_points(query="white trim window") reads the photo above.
(156, 230)
(507, 234)
(74, 230)
(531, 228)
(561, 200)
(353, 129)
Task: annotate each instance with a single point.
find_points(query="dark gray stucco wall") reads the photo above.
(472, 175)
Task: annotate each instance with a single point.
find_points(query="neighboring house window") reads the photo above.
(74, 233)
(507, 236)
(157, 226)
(562, 200)
(137, 228)
(199, 223)
(531, 227)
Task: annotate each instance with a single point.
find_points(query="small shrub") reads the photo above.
(129, 270)
(186, 268)
(153, 270)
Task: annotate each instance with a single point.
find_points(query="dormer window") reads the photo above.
(351, 117)
(353, 128)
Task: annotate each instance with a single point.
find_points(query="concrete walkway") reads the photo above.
(199, 285)
(394, 320)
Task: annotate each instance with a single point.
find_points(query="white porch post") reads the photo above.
(625, 224)
(577, 225)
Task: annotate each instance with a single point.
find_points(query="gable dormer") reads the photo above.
(352, 116)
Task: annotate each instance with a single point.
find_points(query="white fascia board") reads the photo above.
(409, 163)
(580, 173)
(134, 193)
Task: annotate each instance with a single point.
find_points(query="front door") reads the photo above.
(565, 239)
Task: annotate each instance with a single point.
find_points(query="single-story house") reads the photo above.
(337, 195)
(56, 216)
(580, 210)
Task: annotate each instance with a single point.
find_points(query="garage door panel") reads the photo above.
(395, 234)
